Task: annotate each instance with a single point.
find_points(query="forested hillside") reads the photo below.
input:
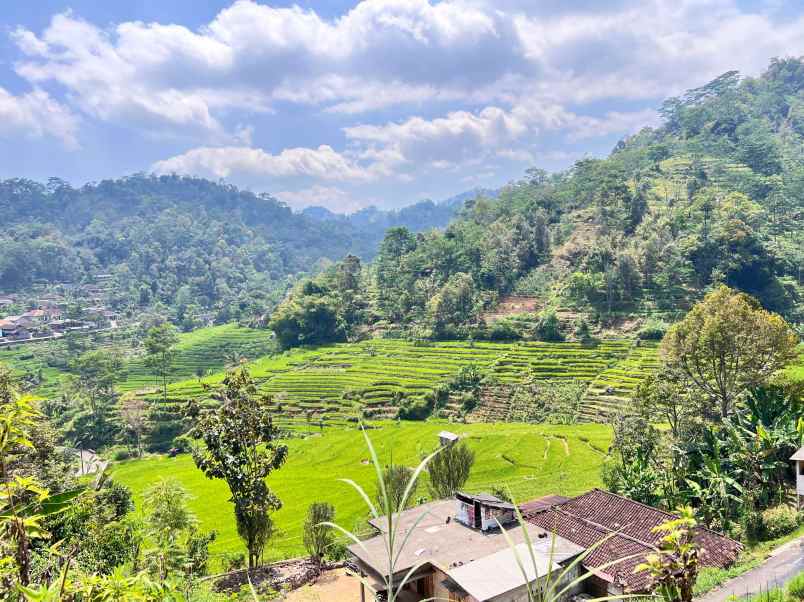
(184, 243)
(715, 194)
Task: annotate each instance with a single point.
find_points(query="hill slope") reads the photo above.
(186, 244)
(713, 195)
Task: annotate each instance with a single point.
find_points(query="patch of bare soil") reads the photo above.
(512, 305)
(331, 586)
(288, 574)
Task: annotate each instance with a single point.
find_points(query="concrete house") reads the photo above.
(464, 556)
(459, 562)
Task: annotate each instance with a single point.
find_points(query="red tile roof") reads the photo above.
(542, 503)
(590, 517)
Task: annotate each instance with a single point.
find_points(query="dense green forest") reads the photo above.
(714, 195)
(183, 243)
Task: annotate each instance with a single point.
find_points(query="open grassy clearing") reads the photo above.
(796, 371)
(531, 460)
(336, 383)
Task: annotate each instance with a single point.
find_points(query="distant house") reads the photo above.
(464, 556)
(7, 326)
(597, 514)
(36, 316)
(798, 458)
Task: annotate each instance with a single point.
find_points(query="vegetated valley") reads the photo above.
(633, 323)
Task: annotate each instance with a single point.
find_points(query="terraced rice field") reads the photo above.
(613, 387)
(207, 350)
(333, 385)
(529, 460)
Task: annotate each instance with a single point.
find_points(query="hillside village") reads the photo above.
(49, 311)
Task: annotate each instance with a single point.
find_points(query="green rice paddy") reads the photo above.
(531, 460)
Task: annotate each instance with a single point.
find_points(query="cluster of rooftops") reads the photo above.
(464, 555)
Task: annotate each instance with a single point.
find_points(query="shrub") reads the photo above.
(549, 328)
(234, 561)
(653, 330)
(504, 330)
(121, 454)
(183, 444)
(318, 537)
(795, 588)
(415, 409)
(779, 521)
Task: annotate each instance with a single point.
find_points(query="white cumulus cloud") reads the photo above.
(36, 115)
(322, 162)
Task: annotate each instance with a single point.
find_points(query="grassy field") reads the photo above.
(796, 371)
(531, 460)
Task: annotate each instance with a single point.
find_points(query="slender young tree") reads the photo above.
(161, 353)
(318, 537)
(449, 470)
(240, 447)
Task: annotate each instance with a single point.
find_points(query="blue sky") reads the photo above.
(346, 104)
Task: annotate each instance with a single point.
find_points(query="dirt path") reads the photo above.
(785, 562)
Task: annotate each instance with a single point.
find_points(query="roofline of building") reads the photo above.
(669, 515)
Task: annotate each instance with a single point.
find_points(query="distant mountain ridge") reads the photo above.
(419, 216)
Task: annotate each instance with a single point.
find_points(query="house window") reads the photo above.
(801, 468)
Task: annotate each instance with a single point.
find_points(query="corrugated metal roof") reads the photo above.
(498, 573)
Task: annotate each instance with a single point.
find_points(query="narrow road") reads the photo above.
(785, 562)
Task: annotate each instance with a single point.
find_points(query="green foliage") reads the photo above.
(396, 479)
(449, 470)
(653, 330)
(196, 247)
(548, 328)
(160, 352)
(726, 344)
(795, 588)
(634, 467)
(779, 520)
(318, 538)
(674, 568)
(239, 448)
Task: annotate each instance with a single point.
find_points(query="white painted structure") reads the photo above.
(798, 458)
(446, 438)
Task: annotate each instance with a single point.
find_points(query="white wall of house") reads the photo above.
(800, 477)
